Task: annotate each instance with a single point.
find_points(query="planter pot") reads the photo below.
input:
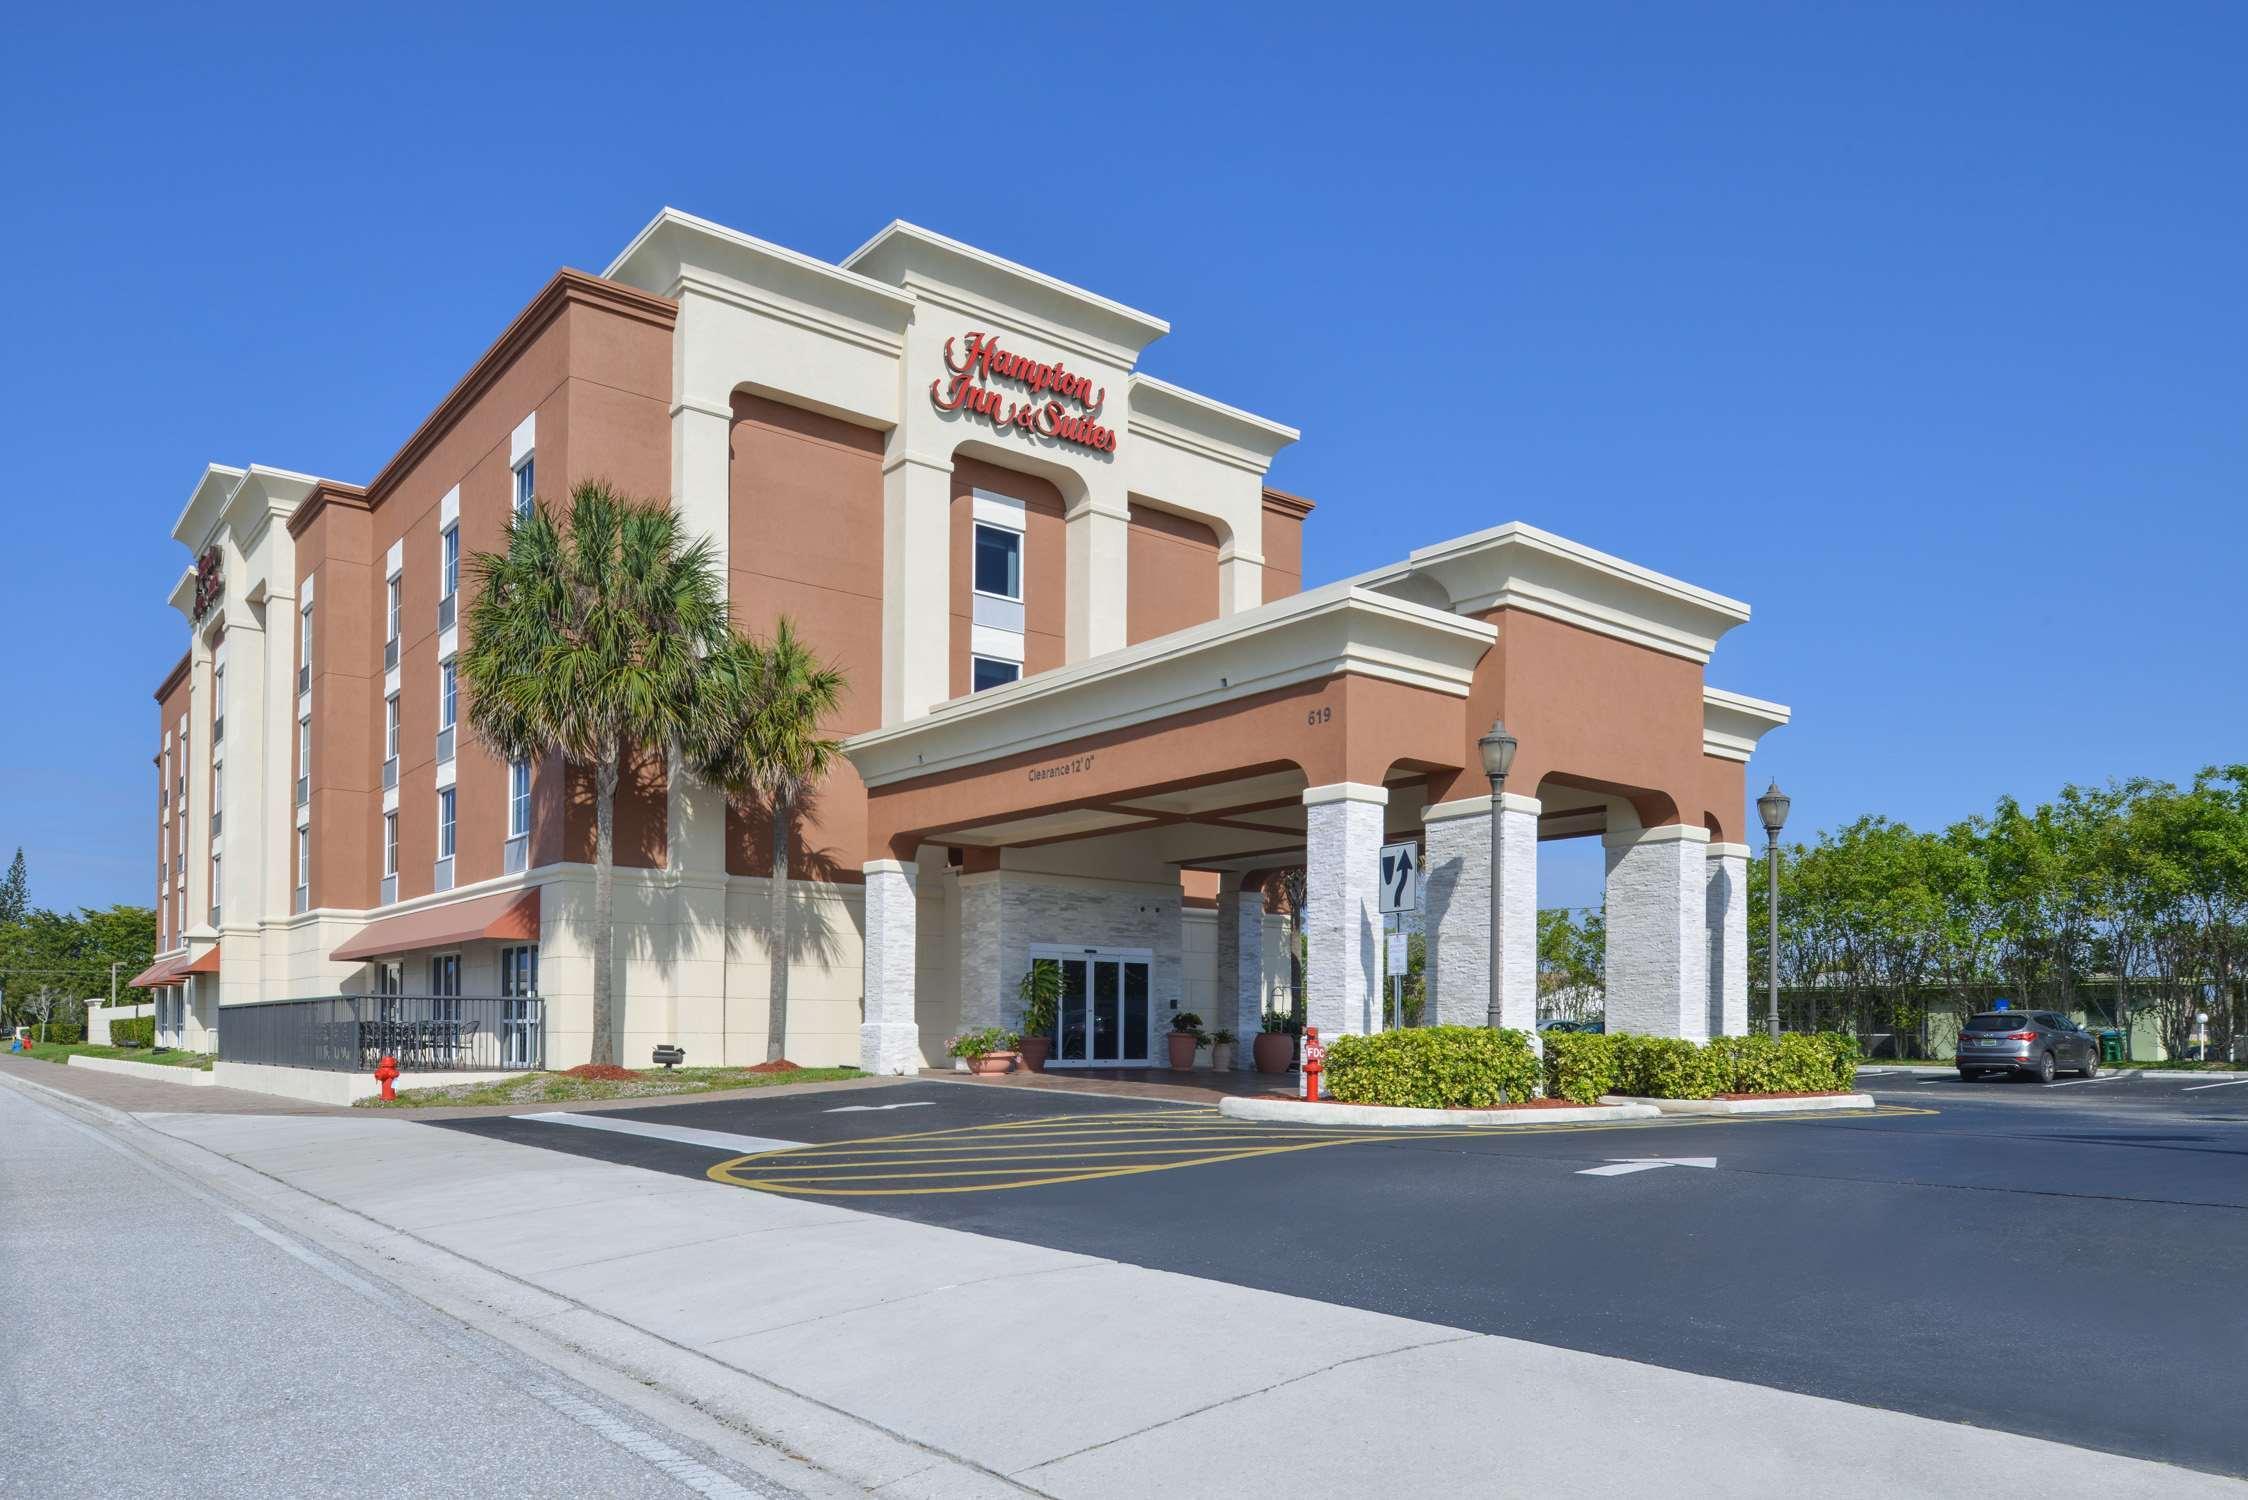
(1221, 1056)
(1274, 1051)
(992, 1062)
(1036, 1049)
(1183, 1045)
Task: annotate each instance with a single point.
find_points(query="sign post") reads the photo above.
(1401, 893)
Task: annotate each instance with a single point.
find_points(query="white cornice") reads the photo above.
(899, 246)
(1168, 413)
(1519, 566)
(1305, 638)
(1732, 723)
(199, 517)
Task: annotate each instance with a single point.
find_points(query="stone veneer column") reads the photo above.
(889, 1038)
(1727, 914)
(1457, 918)
(1658, 954)
(1343, 830)
(982, 899)
(1240, 990)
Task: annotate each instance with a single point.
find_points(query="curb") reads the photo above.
(191, 1077)
(1816, 1103)
(1389, 1117)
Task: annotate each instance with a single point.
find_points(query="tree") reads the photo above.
(588, 639)
(15, 891)
(772, 749)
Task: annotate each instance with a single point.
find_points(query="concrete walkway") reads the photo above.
(911, 1359)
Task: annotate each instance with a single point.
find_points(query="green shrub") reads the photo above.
(133, 1031)
(1433, 1067)
(984, 1041)
(65, 1033)
(1579, 1065)
(1663, 1067)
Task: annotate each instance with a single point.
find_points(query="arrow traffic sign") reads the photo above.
(1400, 890)
(1623, 1166)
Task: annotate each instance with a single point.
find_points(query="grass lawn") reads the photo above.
(169, 1057)
(561, 1088)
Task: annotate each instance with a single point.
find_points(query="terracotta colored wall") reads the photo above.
(806, 516)
(1199, 888)
(1045, 565)
(1725, 799)
(1283, 552)
(599, 380)
(1171, 572)
(171, 705)
(346, 784)
(1595, 711)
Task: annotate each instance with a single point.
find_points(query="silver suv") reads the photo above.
(2036, 1042)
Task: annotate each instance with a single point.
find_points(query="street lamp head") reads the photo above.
(1498, 751)
(1772, 808)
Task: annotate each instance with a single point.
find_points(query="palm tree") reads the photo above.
(589, 639)
(774, 751)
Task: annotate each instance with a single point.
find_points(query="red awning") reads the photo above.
(509, 915)
(206, 962)
(165, 971)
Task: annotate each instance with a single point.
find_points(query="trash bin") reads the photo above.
(2111, 1045)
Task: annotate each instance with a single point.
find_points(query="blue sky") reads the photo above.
(1918, 327)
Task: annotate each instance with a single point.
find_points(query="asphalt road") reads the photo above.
(154, 1343)
(2066, 1262)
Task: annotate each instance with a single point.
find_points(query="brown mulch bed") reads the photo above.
(609, 1072)
(778, 1065)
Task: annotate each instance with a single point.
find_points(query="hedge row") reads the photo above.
(1433, 1067)
(133, 1031)
(1583, 1066)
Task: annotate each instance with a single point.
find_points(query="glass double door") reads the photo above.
(1103, 1016)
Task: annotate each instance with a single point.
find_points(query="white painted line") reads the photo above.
(864, 1109)
(2103, 1078)
(718, 1140)
(1624, 1165)
(2230, 1083)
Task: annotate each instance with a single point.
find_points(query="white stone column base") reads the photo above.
(1657, 910)
(890, 1047)
(1458, 918)
(1728, 939)
(1343, 926)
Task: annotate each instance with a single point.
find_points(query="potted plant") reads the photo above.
(1274, 1049)
(987, 1049)
(1221, 1050)
(1041, 992)
(1186, 1035)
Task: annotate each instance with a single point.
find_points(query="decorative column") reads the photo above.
(890, 1038)
(1099, 535)
(1240, 988)
(1727, 915)
(1458, 916)
(1658, 955)
(916, 583)
(1343, 925)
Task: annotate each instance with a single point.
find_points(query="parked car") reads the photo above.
(2038, 1043)
(1596, 1028)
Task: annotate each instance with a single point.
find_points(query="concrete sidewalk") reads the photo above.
(910, 1359)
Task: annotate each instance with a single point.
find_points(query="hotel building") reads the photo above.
(1092, 708)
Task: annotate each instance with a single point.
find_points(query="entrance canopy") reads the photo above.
(165, 971)
(507, 915)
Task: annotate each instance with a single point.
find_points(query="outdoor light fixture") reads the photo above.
(1772, 808)
(1497, 748)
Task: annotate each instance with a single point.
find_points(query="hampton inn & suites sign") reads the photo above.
(1059, 404)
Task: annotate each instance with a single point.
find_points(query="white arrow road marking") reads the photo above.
(861, 1109)
(685, 1135)
(1620, 1166)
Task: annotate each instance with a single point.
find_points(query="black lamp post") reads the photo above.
(1498, 754)
(1772, 808)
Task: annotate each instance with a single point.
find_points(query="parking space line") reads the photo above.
(2229, 1083)
(682, 1134)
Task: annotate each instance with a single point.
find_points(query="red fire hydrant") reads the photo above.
(386, 1074)
(1315, 1058)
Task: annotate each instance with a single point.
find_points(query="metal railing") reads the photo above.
(426, 1033)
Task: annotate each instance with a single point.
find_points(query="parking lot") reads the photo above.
(2067, 1261)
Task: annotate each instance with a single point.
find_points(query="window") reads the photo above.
(448, 694)
(999, 561)
(390, 629)
(519, 970)
(218, 702)
(445, 987)
(390, 843)
(518, 799)
(304, 761)
(390, 728)
(218, 794)
(304, 868)
(991, 673)
(304, 648)
(519, 1024)
(445, 824)
(526, 486)
(218, 887)
(452, 570)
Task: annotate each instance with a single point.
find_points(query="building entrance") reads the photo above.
(1103, 1016)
